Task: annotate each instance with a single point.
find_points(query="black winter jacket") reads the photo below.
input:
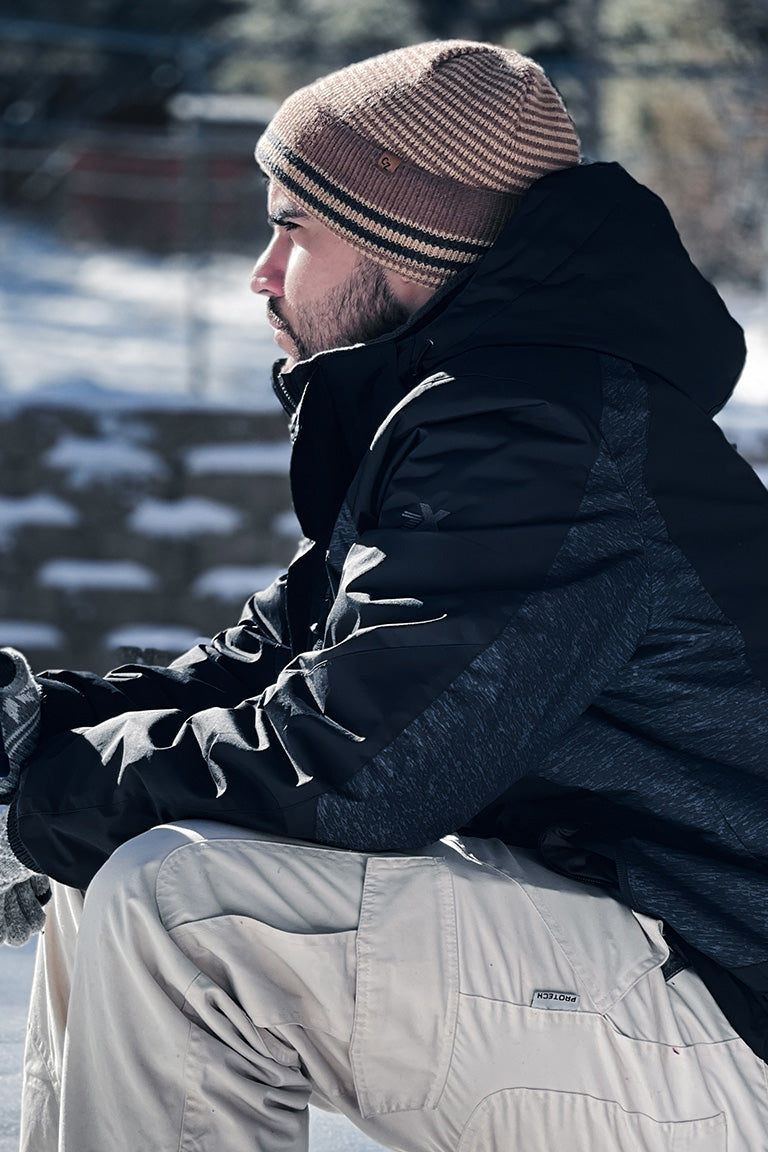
(532, 603)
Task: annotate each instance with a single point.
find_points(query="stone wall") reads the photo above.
(130, 535)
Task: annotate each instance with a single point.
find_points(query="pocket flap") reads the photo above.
(407, 985)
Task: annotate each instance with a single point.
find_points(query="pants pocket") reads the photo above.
(541, 1120)
(406, 996)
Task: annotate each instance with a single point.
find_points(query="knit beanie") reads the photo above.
(418, 156)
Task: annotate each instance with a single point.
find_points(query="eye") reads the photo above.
(288, 225)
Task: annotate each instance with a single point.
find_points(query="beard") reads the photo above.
(360, 309)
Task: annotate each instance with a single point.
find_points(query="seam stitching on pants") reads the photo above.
(183, 1120)
(540, 916)
(185, 994)
(453, 1024)
(55, 1082)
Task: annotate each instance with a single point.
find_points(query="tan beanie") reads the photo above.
(418, 156)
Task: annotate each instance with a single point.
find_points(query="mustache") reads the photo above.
(274, 313)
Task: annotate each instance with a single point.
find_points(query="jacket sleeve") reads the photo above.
(493, 580)
(236, 664)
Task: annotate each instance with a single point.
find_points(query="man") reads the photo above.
(459, 830)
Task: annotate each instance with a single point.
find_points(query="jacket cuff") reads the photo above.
(62, 707)
(18, 849)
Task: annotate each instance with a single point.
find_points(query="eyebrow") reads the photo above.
(287, 212)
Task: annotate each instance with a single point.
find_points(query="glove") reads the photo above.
(19, 717)
(22, 894)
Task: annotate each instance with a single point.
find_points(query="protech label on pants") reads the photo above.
(560, 1001)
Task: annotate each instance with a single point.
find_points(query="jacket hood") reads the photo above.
(592, 259)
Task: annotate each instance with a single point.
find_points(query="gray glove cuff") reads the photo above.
(22, 912)
(20, 697)
(22, 894)
(12, 871)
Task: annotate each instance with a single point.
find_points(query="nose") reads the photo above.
(269, 271)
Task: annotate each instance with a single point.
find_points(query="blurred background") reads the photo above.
(143, 460)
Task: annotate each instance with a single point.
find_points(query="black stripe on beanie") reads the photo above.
(415, 255)
(418, 235)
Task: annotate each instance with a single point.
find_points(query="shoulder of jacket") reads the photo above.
(409, 407)
(474, 394)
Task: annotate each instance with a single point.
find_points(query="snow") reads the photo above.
(158, 637)
(93, 575)
(88, 459)
(39, 508)
(182, 519)
(253, 458)
(746, 426)
(118, 329)
(234, 582)
(15, 980)
(121, 330)
(116, 332)
(26, 634)
(751, 311)
(286, 524)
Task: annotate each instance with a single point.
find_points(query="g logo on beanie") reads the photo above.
(388, 162)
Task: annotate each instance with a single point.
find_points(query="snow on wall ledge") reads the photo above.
(131, 536)
(134, 535)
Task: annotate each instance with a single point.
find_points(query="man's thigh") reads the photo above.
(566, 1032)
(461, 998)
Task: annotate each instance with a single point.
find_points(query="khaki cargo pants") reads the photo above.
(463, 999)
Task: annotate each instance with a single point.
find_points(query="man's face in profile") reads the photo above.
(323, 293)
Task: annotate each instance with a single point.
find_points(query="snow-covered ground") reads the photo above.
(120, 329)
(117, 330)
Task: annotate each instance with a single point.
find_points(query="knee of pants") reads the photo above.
(124, 887)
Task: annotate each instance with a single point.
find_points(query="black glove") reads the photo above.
(22, 894)
(19, 717)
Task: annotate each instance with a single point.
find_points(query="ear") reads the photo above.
(410, 294)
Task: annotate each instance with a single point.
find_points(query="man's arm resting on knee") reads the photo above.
(388, 735)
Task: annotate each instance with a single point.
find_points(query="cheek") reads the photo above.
(303, 276)
(314, 270)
